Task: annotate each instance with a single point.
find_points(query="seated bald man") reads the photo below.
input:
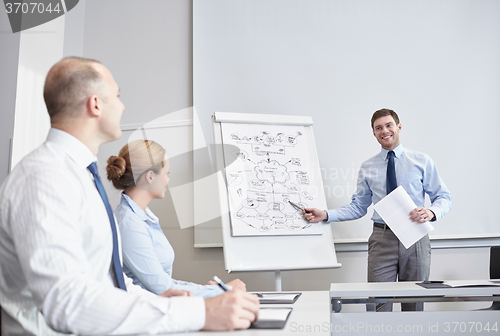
(60, 267)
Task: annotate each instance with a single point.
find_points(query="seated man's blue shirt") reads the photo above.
(148, 256)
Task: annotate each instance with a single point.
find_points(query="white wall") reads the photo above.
(26, 58)
(40, 47)
(9, 56)
(148, 47)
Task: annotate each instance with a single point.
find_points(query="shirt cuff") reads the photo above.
(184, 314)
(437, 213)
(214, 290)
(332, 216)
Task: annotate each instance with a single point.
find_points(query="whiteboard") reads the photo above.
(434, 62)
(270, 252)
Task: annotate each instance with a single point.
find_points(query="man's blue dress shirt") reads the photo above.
(148, 257)
(415, 172)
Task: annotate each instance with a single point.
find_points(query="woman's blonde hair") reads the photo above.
(134, 159)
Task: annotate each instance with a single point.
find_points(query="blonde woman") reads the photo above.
(140, 170)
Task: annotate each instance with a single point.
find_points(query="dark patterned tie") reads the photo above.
(117, 267)
(391, 173)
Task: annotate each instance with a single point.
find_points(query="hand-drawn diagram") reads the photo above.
(271, 168)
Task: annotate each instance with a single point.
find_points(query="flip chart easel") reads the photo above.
(275, 252)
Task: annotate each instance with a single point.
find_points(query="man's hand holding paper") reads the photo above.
(408, 222)
(421, 215)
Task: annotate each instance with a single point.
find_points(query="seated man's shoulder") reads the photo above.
(44, 168)
(50, 162)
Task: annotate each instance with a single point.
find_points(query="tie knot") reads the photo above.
(93, 168)
(391, 154)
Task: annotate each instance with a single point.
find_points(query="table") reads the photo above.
(380, 292)
(412, 323)
(310, 316)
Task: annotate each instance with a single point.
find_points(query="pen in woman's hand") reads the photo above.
(221, 284)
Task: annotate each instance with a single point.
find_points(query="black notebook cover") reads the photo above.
(271, 324)
(274, 298)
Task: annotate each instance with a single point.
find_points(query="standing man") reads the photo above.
(388, 259)
(60, 266)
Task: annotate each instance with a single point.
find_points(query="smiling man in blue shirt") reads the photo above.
(388, 259)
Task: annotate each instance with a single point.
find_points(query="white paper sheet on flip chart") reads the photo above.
(395, 210)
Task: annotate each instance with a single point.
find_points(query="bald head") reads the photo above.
(69, 83)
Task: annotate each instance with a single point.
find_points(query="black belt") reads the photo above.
(381, 226)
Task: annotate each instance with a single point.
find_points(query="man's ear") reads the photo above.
(94, 106)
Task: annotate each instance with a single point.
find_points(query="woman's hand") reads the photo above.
(238, 284)
(175, 292)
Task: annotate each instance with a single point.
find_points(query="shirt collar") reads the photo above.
(74, 148)
(398, 151)
(147, 215)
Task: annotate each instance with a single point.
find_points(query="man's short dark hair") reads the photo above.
(69, 84)
(385, 112)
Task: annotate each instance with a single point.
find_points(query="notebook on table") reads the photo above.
(272, 318)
